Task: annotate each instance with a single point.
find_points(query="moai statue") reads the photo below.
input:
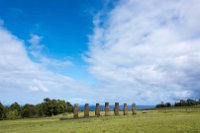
(116, 109)
(107, 108)
(86, 110)
(97, 110)
(75, 110)
(125, 109)
(134, 109)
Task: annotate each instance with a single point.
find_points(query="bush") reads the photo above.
(53, 107)
(12, 114)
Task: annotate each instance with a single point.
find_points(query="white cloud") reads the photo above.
(38, 85)
(36, 50)
(148, 50)
(23, 80)
(35, 43)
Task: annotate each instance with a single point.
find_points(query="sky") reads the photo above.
(86, 51)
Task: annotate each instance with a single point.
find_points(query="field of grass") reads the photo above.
(148, 121)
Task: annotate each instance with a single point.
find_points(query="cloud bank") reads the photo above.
(24, 80)
(147, 50)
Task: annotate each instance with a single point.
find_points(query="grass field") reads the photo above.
(151, 121)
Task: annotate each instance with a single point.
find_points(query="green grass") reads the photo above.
(179, 120)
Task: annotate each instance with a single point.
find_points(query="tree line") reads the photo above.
(181, 103)
(48, 107)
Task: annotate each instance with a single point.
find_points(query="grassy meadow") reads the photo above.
(179, 120)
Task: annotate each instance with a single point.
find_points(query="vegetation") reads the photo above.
(47, 108)
(188, 102)
(181, 103)
(176, 120)
(162, 104)
(1, 111)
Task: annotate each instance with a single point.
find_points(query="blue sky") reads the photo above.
(97, 51)
(63, 25)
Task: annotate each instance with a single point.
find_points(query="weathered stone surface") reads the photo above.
(75, 110)
(116, 109)
(125, 109)
(107, 108)
(97, 110)
(134, 112)
(86, 110)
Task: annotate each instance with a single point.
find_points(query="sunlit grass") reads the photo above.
(148, 121)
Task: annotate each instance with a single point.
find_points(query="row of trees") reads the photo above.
(162, 105)
(48, 107)
(181, 103)
(188, 102)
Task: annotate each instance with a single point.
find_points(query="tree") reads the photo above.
(39, 109)
(14, 109)
(29, 110)
(12, 114)
(191, 102)
(47, 107)
(167, 104)
(161, 105)
(2, 113)
(53, 107)
(183, 103)
(69, 107)
(15, 106)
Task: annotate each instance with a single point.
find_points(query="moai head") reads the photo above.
(87, 106)
(107, 104)
(75, 110)
(116, 105)
(125, 109)
(133, 105)
(86, 111)
(106, 108)
(134, 109)
(116, 109)
(97, 105)
(97, 110)
(125, 105)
